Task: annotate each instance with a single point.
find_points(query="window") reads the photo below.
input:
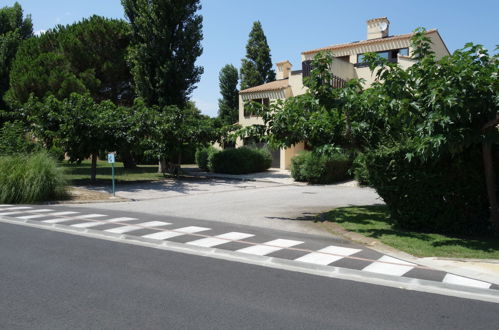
(306, 67)
(389, 55)
(265, 102)
(404, 51)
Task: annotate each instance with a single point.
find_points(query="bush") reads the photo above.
(240, 161)
(359, 169)
(13, 139)
(30, 178)
(444, 194)
(202, 156)
(320, 168)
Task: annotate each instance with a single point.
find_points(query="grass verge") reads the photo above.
(79, 174)
(374, 221)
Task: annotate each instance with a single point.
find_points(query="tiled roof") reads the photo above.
(365, 42)
(271, 86)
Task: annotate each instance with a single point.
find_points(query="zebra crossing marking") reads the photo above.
(460, 280)
(143, 225)
(101, 222)
(327, 255)
(162, 235)
(220, 239)
(269, 247)
(389, 266)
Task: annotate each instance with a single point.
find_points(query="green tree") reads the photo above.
(166, 41)
(85, 57)
(13, 30)
(228, 105)
(177, 129)
(256, 68)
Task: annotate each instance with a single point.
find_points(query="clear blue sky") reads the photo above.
(293, 26)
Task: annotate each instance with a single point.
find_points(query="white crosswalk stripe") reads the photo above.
(90, 216)
(390, 266)
(324, 258)
(5, 205)
(269, 247)
(455, 279)
(101, 222)
(220, 239)
(17, 208)
(35, 216)
(176, 232)
(59, 220)
(11, 213)
(126, 229)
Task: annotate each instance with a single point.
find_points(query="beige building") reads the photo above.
(347, 65)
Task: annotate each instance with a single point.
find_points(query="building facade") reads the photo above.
(348, 64)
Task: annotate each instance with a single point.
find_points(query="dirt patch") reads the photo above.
(82, 195)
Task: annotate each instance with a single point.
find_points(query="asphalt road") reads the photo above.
(52, 280)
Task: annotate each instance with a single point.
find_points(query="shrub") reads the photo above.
(30, 178)
(240, 161)
(320, 168)
(443, 194)
(202, 156)
(359, 169)
(13, 139)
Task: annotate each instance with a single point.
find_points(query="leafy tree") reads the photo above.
(85, 57)
(177, 129)
(256, 68)
(228, 105)
(166, 41)
(13, 29)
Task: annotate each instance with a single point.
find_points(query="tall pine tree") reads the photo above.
(228, 105)
(13, 29)
(256, 68)
(166, 41)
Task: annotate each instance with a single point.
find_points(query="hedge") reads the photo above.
(202, 156)
(240, 161)
(444, 194)
(317, 168)
(30, 178)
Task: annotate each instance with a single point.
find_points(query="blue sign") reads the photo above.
(110, 158)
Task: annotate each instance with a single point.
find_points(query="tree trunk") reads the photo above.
(162, 165)
(128, 161)
(93, 170)
(491, 183)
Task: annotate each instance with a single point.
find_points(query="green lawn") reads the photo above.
(80, 174)
(374, 221)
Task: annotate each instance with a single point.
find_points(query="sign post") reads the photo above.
(111, 160)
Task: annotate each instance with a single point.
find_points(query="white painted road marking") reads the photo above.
(26, 217)
(337, 253)
(455, 279)
(11, 213)
(101, 222)
(63, 213)
(90, 216)
(6, 205)
(269, 247)
(17, 208)
(176, 232)
(390, 266)
(126, 229)
(220, 239)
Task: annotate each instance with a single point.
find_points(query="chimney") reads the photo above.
(283, 69)
(377, 28)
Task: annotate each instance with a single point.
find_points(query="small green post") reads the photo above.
(114, 188)
(111, 160)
